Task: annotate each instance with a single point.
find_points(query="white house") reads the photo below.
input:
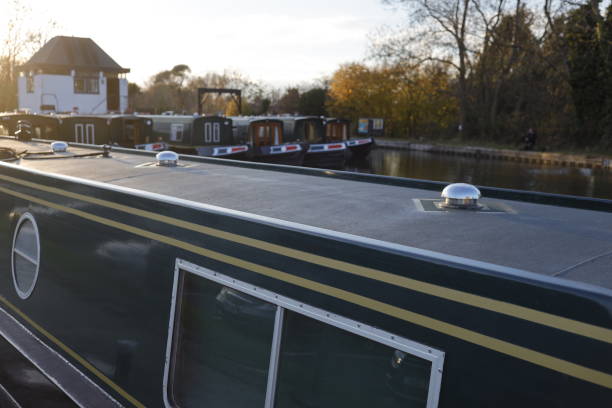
(71, 74)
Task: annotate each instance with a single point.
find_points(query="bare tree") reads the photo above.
(451, 32)
(19, 42)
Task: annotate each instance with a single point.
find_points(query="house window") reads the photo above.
(86, 85)
(29, 84)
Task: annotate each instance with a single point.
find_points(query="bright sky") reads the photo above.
(279, 42)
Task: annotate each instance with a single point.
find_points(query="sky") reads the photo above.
(280, 43)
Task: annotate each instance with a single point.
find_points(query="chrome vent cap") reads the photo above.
(461, 195)
(167, 158)
(59, 147)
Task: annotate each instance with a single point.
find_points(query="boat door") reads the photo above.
(310, 132)
(266, 134)
(336, 131)
(212, 133)
(79, 133)
(90, 134)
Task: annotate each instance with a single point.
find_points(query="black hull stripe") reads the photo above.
(513, 350)
(481, 302)
(72, 353)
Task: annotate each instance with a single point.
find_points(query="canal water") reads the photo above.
(487, 172)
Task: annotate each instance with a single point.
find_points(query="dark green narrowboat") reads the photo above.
(43, 126)
(208, 283)
(122, 130)
(209, 136)
(340, 130)
(266, 139)
(322, 153)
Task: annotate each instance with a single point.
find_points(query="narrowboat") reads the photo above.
(198, 135)
(266, 140)
(339, 130)
(322, 153)
(43, 126)
(133, 280)
(117, 129)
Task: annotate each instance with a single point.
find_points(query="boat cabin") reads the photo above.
(308, 129)
(258, 132)
(43, 126)
(200, 282)
(122, 130)
(186, 133)
(337, 130)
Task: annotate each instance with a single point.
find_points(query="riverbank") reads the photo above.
(546, 158)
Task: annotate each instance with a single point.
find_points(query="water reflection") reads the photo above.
(487, 172)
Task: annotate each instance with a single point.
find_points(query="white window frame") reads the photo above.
(176, 132)
(25, 217)
(90, 133)
(436, 357)
(79, 133)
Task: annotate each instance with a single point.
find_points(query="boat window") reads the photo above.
(25, 255)
(223, 343)
(176, 132)
(234, 344)
(322, 366)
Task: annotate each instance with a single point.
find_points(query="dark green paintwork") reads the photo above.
(100, 287)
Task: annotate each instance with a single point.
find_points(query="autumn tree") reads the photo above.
(412, 100)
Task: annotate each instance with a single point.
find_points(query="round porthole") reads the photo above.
(25, 255)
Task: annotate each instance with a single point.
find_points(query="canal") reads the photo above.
(487, 172)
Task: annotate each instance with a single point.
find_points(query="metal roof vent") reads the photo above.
(59, 147)
(461, 195)
(167, 158)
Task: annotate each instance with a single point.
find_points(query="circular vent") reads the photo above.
(25, 255)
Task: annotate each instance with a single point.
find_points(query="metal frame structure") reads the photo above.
(236, 95)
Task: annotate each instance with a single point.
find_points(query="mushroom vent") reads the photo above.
(461, 195)
(167, 158)
(59, 147)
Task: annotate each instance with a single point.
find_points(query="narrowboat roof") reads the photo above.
(514, 230)
(292, 118)
(246, 120)
(328, 120)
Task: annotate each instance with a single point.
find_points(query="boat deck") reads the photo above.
(570, 243)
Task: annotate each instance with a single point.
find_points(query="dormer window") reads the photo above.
(86, 84)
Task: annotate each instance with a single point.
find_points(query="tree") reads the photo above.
(413, 101)
(588, 73)
(289, 102)
(19, 43)
(312, 102)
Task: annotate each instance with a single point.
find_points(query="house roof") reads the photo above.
(73, 53)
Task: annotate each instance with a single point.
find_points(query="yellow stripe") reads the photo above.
(509, 309)
(541, 359)
(73, 354)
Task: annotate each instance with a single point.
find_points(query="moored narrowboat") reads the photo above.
(43, 126)
(209, 136)
(124, 285)
(116, 129)
(266, 140)
(322, 152)
(340, 130)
